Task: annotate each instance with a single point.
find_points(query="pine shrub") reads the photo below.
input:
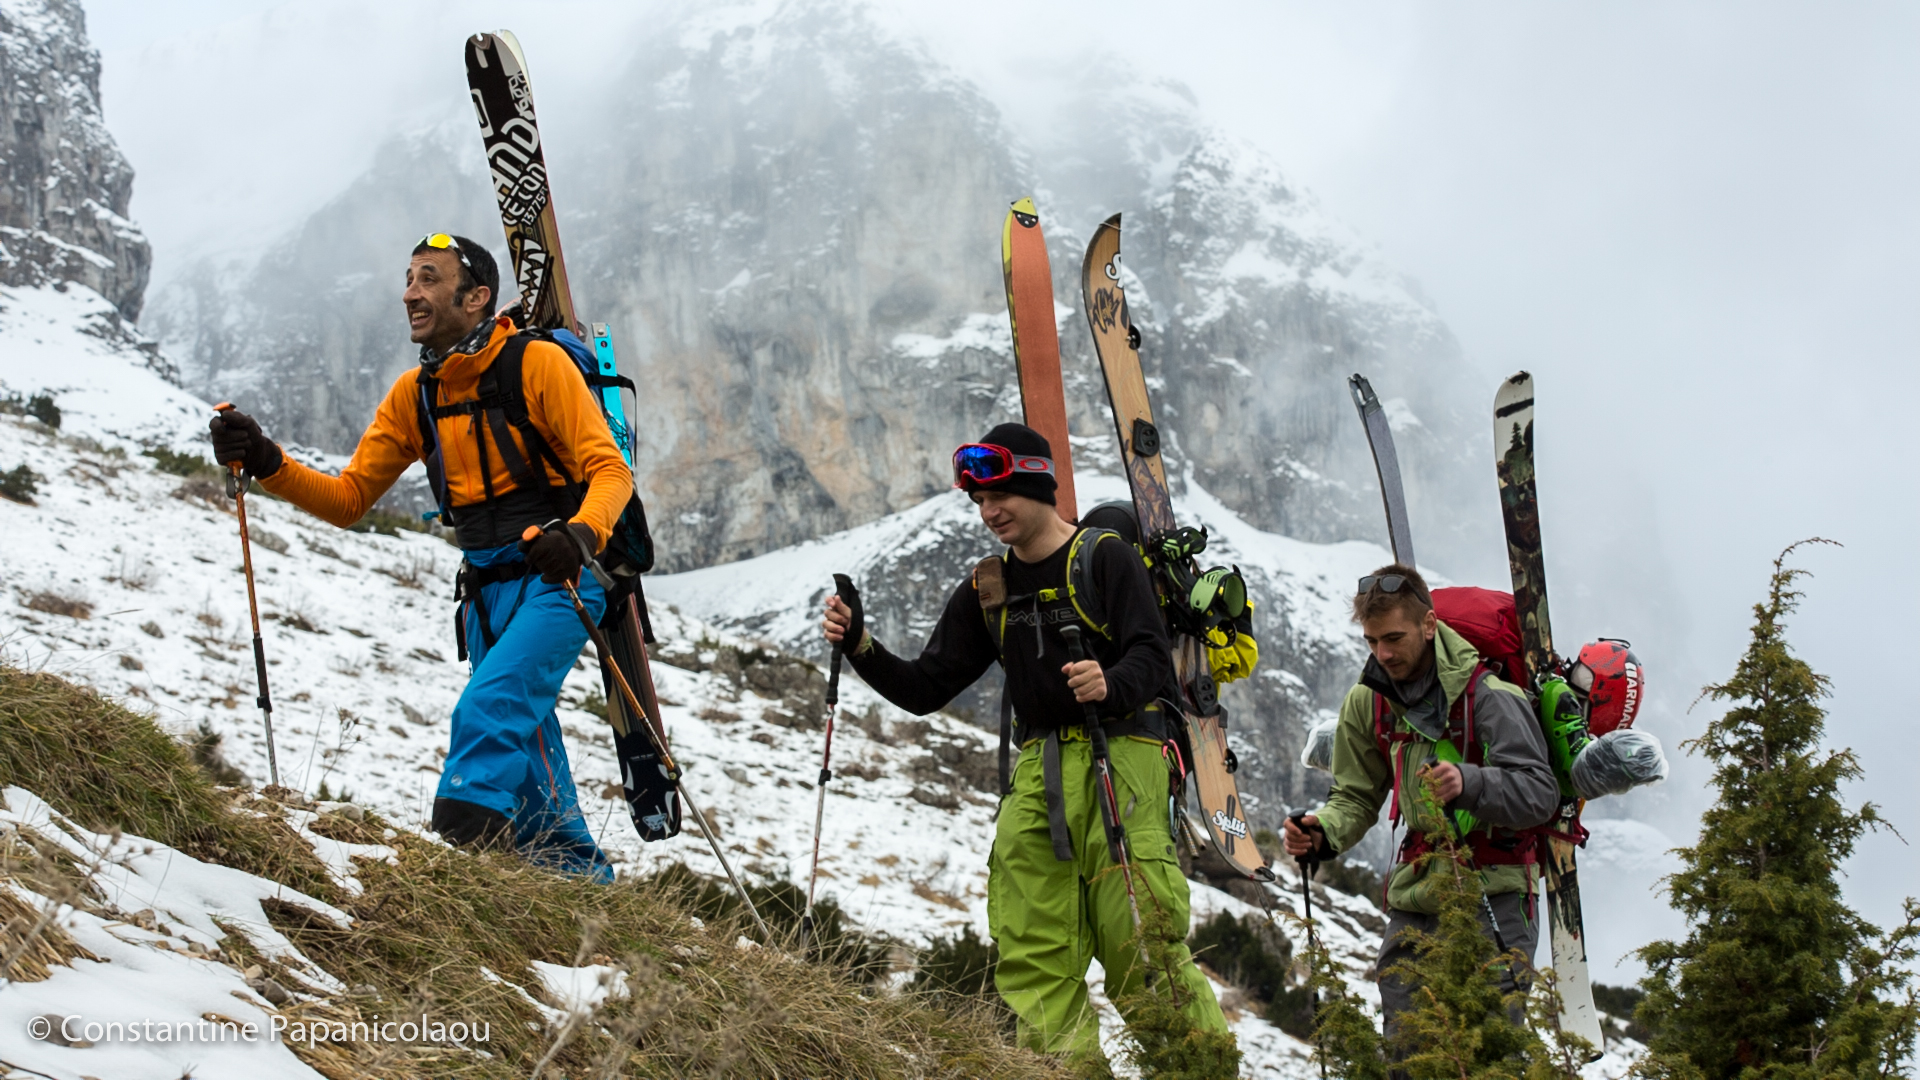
(1777, 976)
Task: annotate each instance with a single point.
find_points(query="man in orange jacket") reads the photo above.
(491, 457)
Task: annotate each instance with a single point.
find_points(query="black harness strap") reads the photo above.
(1056, 798)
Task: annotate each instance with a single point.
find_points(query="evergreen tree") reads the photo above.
(1778, 977)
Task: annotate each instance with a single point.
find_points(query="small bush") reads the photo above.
(1251, 954)
(387, 523)
(177, 464)
(1352, 878)
(1619, 1002)
(20, 484)
(54, 603)
(204, 748)
(42, 408)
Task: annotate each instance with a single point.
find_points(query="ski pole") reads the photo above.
(1109, 803)
(654, 735)
(1308, 863)
(841, 585)
(237, 481)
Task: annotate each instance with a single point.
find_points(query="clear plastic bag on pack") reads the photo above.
(1318, 753)
(1618, 762)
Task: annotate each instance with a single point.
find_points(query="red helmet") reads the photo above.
(1611, 677)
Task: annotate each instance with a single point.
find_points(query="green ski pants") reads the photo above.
(1052, 918)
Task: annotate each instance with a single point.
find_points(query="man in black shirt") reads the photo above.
(1055, 898)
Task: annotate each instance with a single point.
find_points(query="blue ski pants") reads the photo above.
(506, 753)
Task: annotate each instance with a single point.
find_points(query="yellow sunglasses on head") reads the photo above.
(443, 242)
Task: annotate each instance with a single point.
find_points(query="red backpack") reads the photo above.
(1490, 623)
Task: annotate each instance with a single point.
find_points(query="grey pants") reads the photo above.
(1516, 930)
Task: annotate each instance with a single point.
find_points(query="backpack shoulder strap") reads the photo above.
(990, 581)
(1082, 592)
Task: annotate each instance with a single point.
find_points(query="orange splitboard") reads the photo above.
(1036, 341)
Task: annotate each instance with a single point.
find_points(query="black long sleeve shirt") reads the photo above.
(1136, 657)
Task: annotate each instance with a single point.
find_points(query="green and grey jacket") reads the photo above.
(1508, 784)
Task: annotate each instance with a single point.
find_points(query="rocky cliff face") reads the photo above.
(63, 184)
(791, 221)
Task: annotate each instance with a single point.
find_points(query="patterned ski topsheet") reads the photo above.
(1118, 345)
(1386, 466)
(1520, 513)
(1036, 341)
(503, 102)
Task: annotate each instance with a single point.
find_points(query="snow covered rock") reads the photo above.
(64, 185)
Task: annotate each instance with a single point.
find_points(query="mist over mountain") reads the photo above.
(790, 217)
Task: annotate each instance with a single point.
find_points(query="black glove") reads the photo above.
(857, 617)
(237, 437)
(558, 555)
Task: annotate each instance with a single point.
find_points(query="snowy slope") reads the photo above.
(128, 579)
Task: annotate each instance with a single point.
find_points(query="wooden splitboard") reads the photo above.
(503, 101)
(1118, 345)
(1520, 515)
(1036, 341)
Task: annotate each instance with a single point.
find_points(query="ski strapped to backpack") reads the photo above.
(499, 411)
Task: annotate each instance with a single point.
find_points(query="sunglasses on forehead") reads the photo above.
(442, 242)
(1393, 583)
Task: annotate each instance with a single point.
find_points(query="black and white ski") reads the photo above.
(1520, 514)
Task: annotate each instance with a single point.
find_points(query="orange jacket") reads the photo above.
(559, 403)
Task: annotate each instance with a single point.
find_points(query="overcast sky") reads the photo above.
(1696, 224)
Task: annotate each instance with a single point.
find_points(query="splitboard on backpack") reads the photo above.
(1208, 612)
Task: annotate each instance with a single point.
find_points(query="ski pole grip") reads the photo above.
(234, 468)
(1313, 859)
(842, 588)
(1077, 652)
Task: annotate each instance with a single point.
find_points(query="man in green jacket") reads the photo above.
(1426, 710)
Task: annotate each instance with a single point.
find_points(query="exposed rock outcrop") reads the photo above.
(64, 185)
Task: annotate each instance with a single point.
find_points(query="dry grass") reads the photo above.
(53, 603)
(424, 928)
(109, 768)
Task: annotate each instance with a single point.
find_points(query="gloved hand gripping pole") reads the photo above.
(842, 585)
(237, 483)
(1109, 803)
(650, 722)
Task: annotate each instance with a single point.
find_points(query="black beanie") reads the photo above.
(1023, 441)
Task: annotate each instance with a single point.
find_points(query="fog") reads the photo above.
(1694, 223)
